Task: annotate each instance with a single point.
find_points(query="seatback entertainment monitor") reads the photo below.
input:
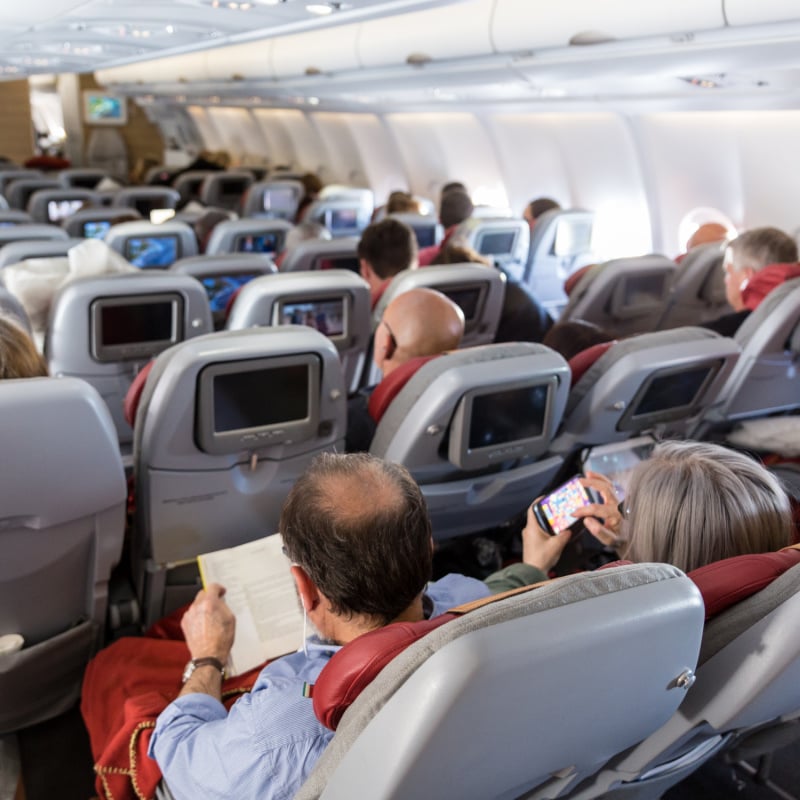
(96, 229)
(259, 402)
(220, 288)
(58, 210)
(328, 315)
(135, 327)
(258, 242)
(470, 299)
(152, 252)
(497, 243)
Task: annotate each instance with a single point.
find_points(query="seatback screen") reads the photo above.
(61, 209)
(677, 390)
(257, 243)
(348, 262)
(497, 243)
(573, 236)
(468, 300)
(152, 251)
(326, 316)
(640, 289)
(96, 229)
(132, 324)
(507, 416)
(426, 235)
(343, 219)
(220, 288)
(280, 201)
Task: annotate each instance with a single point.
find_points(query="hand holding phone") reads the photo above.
(555, 512)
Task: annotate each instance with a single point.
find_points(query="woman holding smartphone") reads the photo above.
(689, 504)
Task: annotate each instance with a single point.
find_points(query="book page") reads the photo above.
(262, 595)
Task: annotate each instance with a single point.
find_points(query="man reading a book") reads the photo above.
(357, 532)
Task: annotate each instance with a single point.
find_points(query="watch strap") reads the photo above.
(209, 661)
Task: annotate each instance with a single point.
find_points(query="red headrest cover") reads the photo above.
(725, 583)
(134, 394)
(579, 363)
(355, 666)
(390, 386)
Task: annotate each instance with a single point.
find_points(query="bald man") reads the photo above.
(417, 323)
(709, 233)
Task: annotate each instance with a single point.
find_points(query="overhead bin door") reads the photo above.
(747, 12)
(325, 50)
(246, 61)
(524, 25)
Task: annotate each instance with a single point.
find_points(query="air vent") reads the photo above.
(585, 38)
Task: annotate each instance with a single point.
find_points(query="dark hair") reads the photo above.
(538, 206)
(575, 336)
(389, 246)
(18, 355)
(456, 206)
(451, 186)
(359, 527)
(453, 253)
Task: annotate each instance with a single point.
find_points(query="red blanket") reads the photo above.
(125, 687)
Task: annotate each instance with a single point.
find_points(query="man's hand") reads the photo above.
(209, 625)
(608, 530)
(540, 549)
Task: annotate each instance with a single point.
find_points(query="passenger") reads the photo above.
(357, 531)
(690, 504)
(312, 186)
(386, 248)
(204, 225)
(709, 233)
(416, 324)
(402, 203)
(537, 207)
(454, 208)
(522, 319)
(755, 262)
(303, 232)
(575, 336)
(18, 355)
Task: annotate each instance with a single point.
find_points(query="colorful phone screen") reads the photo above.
(558, 506)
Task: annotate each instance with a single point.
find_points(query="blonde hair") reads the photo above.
(18, 355)
(693, 503)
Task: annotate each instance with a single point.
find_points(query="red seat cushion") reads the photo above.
(581, 362)
(134, 394)
(391, 385)
(355, 666)
(725, 583)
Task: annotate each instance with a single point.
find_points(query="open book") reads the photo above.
(261, 593)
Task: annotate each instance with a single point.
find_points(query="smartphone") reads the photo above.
(554, 512)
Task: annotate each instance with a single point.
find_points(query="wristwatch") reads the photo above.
(202, 662)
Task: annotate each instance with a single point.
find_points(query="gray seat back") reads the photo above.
(9, 217)
(19, 191)
(225, 424)
(342, 217)
(505, 241)
(697, 292)
(10, 306)
(188, 184)
(655, 381)
(94, 223)
(336, 302)
(25, 232)
(8, 176)
(478, 290)
(148, 245)
(248, 236)
(495, 680)
(561, 243)
(62, 519)
(81, 177)
(321, 254)
(277, 199)
(56, 205)
(14, 252)
(624, 296)
(472, 427)
(225, 189)
(427, 229)
(145, 198)
(106, 329)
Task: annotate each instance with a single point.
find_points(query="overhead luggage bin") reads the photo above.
(312, 52)
(245, 61)
(745, 12)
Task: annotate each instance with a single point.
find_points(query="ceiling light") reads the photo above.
(313, 101)
(320, 8)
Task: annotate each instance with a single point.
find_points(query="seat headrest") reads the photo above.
(390, 386)
(134, 393)
(579, 363)
(765, 280)
(357, 664)
(725, 583)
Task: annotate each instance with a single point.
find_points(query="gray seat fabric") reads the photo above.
(468, 711)
(188, 184)
(39, 204)
(20, 191)
(277, 199)
(62, 518)
(82, 177)
(661, 380)
(427, 229)
(225, 189)
(624, 296)
(505, 241)
(469, 486)
(75, 225)
(25, 232)
(231, 236)
(343, 217)
(14, 252)
(748, 680)
(193, 497)
(140, 196)
(316, 254)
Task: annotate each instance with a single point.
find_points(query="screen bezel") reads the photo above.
(513, 232)
(136, 351)
(458, 450)
(483, 292)
(90, 119)
(630, 421)
(240, 237)
(291, 300)
(354, 228)
(174, 236)
(255, 438)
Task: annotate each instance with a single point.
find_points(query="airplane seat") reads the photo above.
(519, 661)
(478, 290)
(188, 184)
(427, 229)
(322, 254)
(152, 246)
(130, 405)
(223, 275)
(14, 252)
(386, 391)
(24, 232)
(94, 223)
(248, 236)
(106, 150)
(661, 380)
(10, 306)
(10, 217)
(335, 302)
(473, 428)
(105, 329)
(624, 296)
(55, 205)
(277, 199)
(81, 177)
(20, 191)
(225, 189)
(747, 679)
(342, 217)
(697, 291)
(505, 241)
(561, 243)
(225, 424)
(766, 378)
(8, 176)
(62, 496)
(145, 198)
(581, 362)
